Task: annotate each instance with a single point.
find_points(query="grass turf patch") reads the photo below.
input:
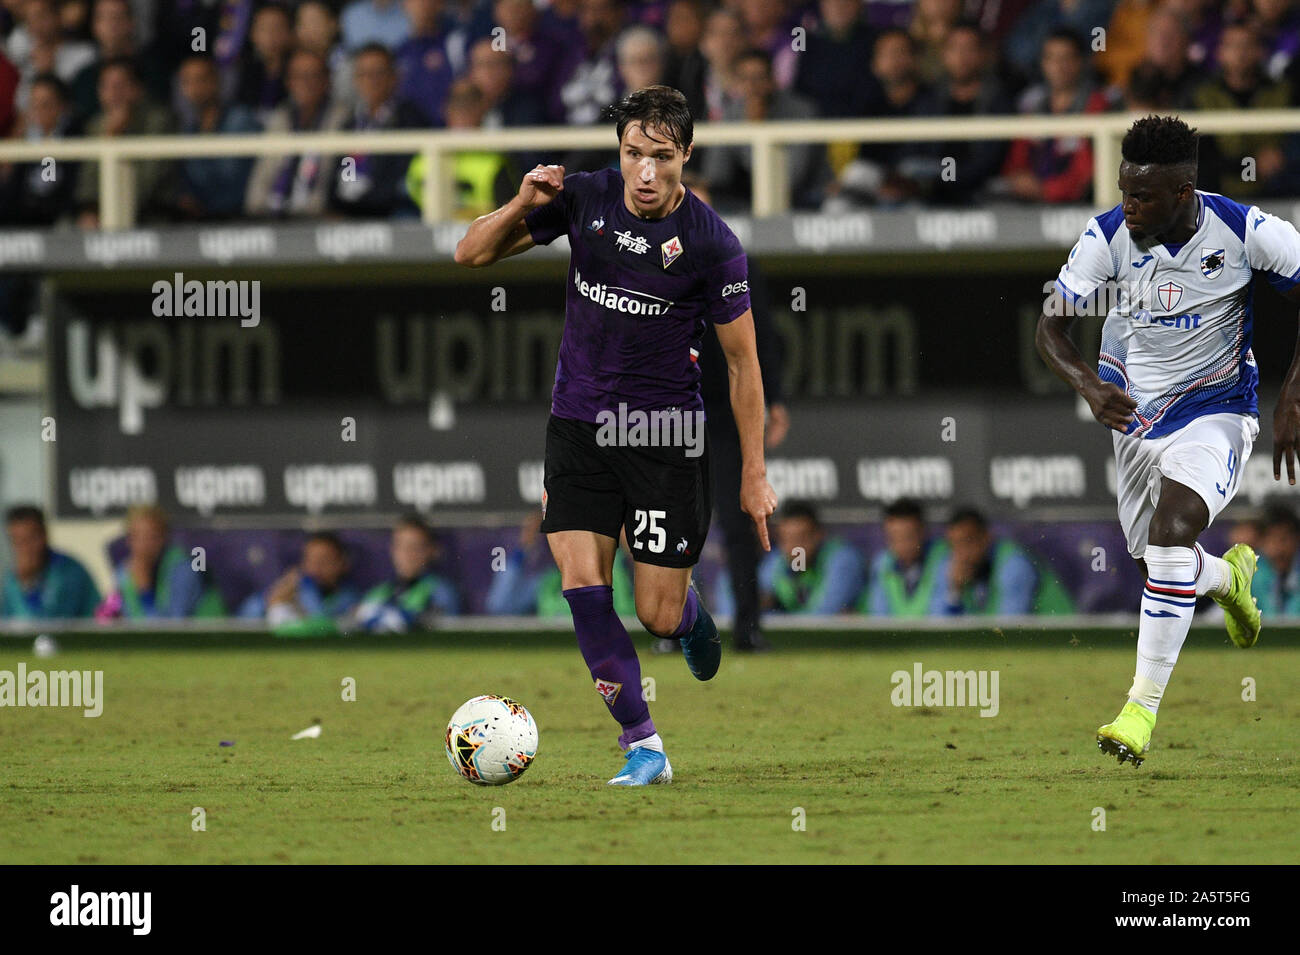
(799, 729)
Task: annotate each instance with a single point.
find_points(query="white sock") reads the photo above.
(1146, 693)
(650, 742)
(1214, 576)
(1168, 600)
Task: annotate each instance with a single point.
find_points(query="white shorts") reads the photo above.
(1207, 455)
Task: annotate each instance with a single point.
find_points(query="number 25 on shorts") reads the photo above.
(649, 520)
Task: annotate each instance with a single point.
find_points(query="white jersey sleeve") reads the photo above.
(1273, 247)
(1090, 265)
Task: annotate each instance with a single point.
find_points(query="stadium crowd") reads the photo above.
(131, 67)
(962, 568)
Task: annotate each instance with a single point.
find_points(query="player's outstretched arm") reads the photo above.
(1110, 404)
(1286, 416)
(757, 499)
(504, 233)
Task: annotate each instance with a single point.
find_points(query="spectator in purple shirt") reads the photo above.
(562, 17)
(888, 14)
(261, 83)
(767, 27)
(539, 50)
(1203, 21)
(424, 68)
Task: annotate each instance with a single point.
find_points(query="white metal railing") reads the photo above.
(117, 180)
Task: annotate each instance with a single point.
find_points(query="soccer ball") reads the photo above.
(491, 740)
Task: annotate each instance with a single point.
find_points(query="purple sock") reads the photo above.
(689, 612)
(611, 658)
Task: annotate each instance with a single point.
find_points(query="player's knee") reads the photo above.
(588, 577)
(660, 617)
(1172, 529)
(582, 571)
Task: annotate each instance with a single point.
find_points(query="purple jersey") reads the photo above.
(639, 293)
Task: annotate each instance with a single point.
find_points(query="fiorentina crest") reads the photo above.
(671, 250)
(609, 690)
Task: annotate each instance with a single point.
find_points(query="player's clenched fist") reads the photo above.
(541, 184)
(1111, 405)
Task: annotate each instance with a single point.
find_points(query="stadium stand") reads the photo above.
(152, 138)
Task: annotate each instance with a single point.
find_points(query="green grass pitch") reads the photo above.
(808, 728)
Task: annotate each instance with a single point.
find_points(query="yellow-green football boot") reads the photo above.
(1129, 736)
(1240, 610)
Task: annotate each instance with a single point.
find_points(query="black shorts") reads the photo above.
(661, 496)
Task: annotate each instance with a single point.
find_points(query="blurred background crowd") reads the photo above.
(111, 68)
(73, 68)
(959, 566)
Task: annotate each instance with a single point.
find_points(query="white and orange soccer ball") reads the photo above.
(491, 740)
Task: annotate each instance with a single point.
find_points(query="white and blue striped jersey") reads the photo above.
(1180, 319)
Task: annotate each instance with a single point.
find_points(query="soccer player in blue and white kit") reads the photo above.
(650, 265)
(1176, 383)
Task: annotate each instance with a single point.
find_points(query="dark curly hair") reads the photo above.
(662, 107)
(1160, 141)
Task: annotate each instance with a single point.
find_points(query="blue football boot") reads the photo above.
(644, 767)
(702, 646)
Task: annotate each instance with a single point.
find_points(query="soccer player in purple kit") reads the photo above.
(650, 265)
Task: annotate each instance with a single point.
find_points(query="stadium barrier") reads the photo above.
(117, 183)
(1282, 630)
(1075, 638)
